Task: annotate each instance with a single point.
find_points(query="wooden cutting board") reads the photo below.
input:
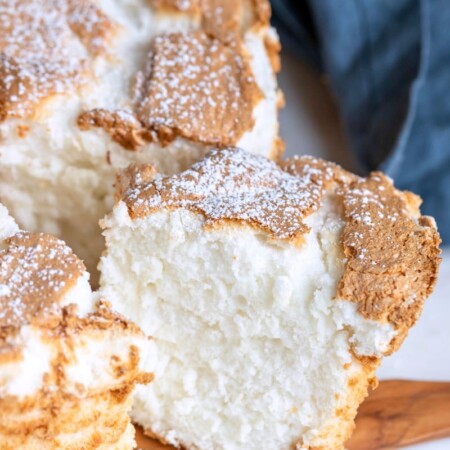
(397, 414)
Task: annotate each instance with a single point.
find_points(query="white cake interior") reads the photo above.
(254, 351)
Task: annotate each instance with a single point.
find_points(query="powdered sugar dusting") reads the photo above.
(392, 252)
(231, 185)
(197, 87)
(43, 49)
(36, 271)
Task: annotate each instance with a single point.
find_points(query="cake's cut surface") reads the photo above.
(68, 363)
(245, 274)
(88, 87)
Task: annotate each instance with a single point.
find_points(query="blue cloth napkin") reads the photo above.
(388, 62)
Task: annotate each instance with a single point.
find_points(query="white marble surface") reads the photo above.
(310, 124)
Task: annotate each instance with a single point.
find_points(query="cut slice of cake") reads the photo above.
(272, 294)
(68, 363)
(87, 87)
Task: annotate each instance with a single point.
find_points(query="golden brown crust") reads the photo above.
(273, 49)
(197, 88)
(232, 186)
(263, 12)
(36, 271)
(62, 331)
(223, 19)
(100, 421)
(38, 50)
(133, 177)
(323, 172)
(197, 85)
(392, 252)
(123, 127)
(185, 6)
(392, 258)
(194, 87)
(278, 148)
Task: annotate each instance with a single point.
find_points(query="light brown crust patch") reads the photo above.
(40, 53)
(273, 49)
(36, 271)
(186, 6)
(133, 177)
(123, 127)
(231, 186)
(223, 19)
(392, 251)
(194, 87)
(392, 255)
(197, 88)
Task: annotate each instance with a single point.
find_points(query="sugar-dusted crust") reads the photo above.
(197, 88)
(123, 126)
(36, 272)
(44, 47)
(220, 18)
(228, 186)
(392, 251)
(62, 46)
(194, 87)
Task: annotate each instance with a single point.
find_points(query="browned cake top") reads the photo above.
(392, 252)
(229, 185)
(197, 88)
(43, 49)
(176, 5)
(221, 18)
(194, 86)
(36, 271)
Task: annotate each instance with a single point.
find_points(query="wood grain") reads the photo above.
(401, 413)
(397, 414)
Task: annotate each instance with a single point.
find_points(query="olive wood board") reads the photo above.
(396, 414)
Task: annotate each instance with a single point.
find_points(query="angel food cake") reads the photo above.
(68, 364)
(87, 87)
(272, 294)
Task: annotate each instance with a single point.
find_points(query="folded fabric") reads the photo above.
(388, 64)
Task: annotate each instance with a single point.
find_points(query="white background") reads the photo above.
(310, 124)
